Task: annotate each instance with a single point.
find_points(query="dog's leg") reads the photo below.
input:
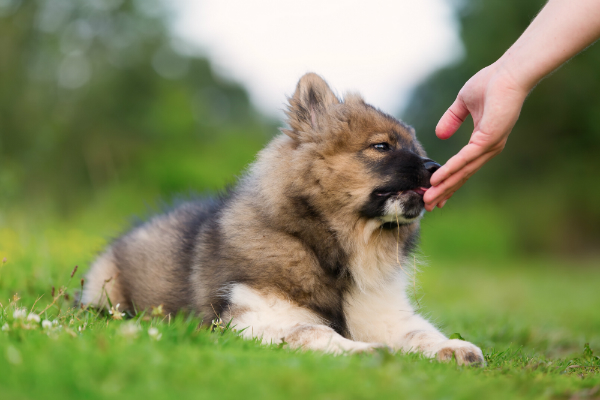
(385, 315)
(102, 285)
(323, 338)
(275, 320)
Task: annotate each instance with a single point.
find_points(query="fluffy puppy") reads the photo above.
(311, 248)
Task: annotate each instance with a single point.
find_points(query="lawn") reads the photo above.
(531, 317)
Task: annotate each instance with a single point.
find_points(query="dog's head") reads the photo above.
(354, 160)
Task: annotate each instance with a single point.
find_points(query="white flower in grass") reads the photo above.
(33, 317)
(154, 333)
(46, 324)
(5, 327)
(20, 313)
(116, 314)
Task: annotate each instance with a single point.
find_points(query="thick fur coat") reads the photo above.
(311, 248)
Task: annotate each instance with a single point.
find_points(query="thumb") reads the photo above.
(452, 119)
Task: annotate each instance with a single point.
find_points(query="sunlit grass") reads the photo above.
(532, 319)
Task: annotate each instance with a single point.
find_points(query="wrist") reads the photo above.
(509, 75)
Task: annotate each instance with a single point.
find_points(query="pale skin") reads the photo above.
(494, 96)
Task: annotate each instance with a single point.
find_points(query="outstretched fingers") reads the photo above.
(460, 168)
(468, 154)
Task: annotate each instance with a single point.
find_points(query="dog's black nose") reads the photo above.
(431, 166)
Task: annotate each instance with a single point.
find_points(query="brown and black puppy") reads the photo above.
(310, 248)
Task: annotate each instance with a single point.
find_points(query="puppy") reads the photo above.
(311, 248)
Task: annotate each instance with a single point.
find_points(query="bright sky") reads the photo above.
(380, 48)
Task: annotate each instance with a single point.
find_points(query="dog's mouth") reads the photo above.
(420, 191)
(400, 206)
(399, 203)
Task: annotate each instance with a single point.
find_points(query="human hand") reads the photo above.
(494, 100)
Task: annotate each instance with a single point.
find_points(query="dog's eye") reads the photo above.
(381, 146)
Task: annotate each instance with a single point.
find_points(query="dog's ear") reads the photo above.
(307, 106)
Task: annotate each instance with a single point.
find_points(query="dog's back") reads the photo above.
(150, 265)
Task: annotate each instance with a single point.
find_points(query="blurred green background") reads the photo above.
(104, 114)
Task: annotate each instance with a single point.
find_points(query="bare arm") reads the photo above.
(494, 96)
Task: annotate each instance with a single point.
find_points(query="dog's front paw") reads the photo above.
(464, 352)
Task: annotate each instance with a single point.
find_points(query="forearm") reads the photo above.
(495, 94)
(561, 30)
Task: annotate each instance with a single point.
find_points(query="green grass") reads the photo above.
(532, 319)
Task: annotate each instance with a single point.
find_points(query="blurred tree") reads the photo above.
(548, 173)
(89, 89)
